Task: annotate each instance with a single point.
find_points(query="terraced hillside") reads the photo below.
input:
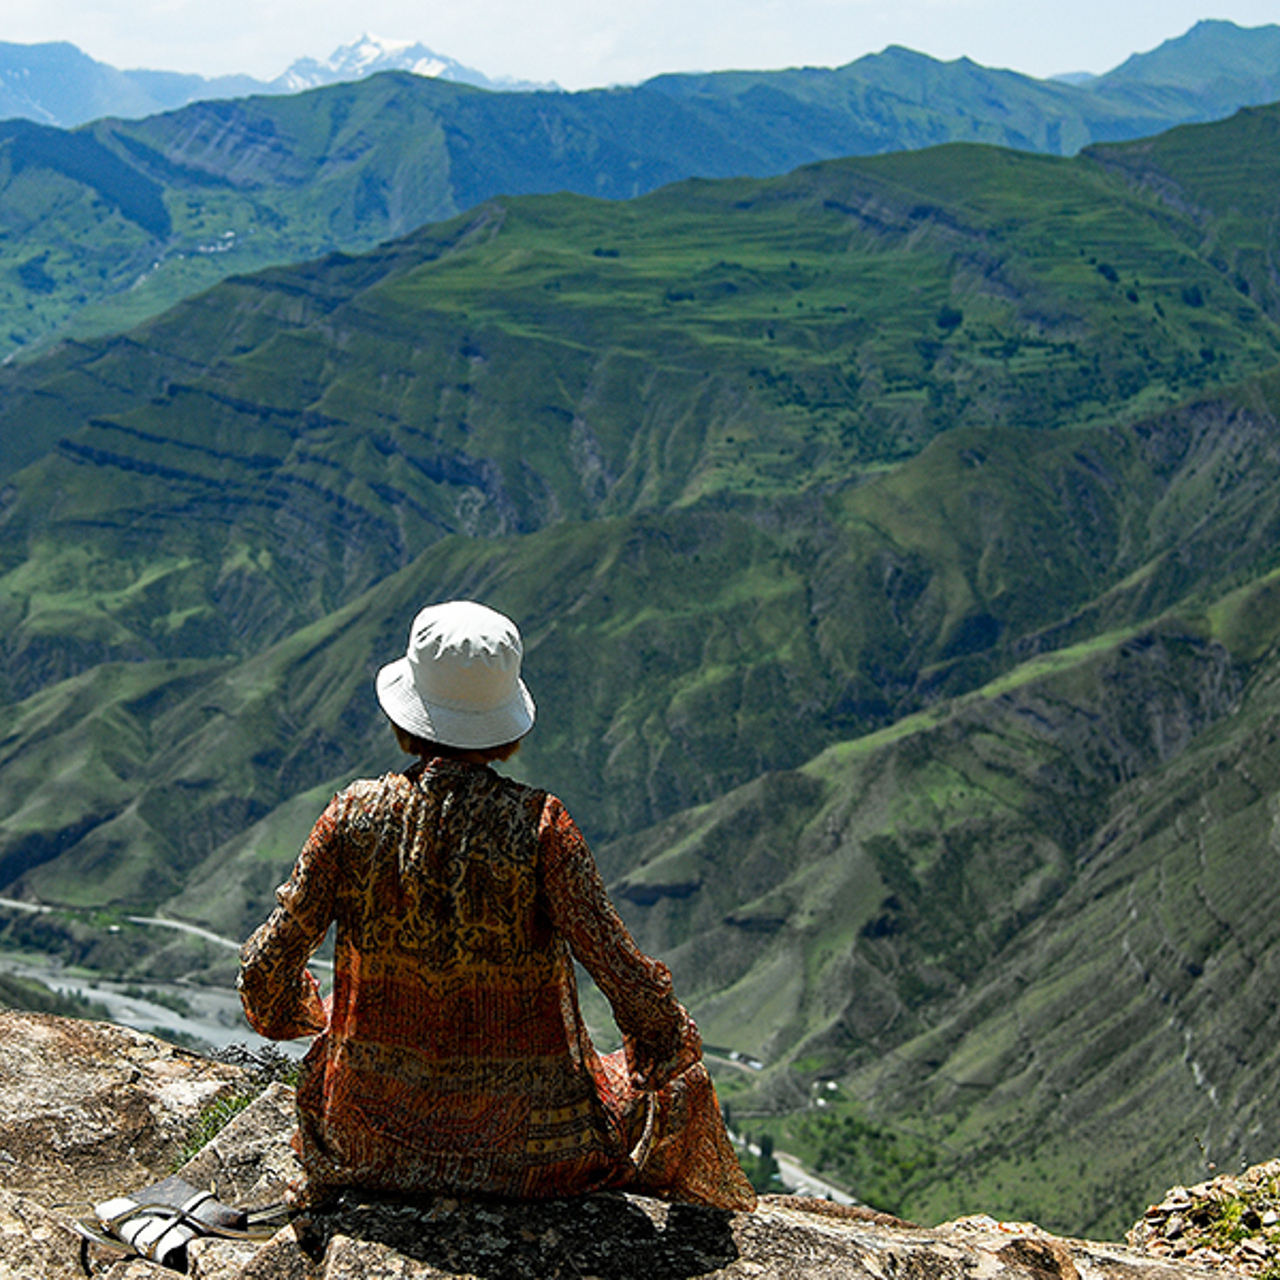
(896, 547)
(106, 225)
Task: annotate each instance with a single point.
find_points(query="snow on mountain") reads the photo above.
(57, 84)
(371, 54)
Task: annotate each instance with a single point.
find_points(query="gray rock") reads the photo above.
(250, 1163)
(134, 1269)
(35, 1242)
(621, 1237)
(81, 1079)
(214, 1259)
(88, 1108)
(1219, 1223)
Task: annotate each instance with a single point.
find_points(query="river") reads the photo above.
(210, 1015)
(213, 1016)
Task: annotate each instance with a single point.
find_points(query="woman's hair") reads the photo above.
(412, 745)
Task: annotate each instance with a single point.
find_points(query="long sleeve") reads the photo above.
(660, 1038)
(281, 998)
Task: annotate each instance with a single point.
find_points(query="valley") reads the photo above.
(895, 543)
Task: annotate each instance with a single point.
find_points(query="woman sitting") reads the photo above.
(452, 1055)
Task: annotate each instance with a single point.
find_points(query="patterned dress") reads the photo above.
(452, 1055)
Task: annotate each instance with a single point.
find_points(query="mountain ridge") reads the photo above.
(56, 83)
(1205, 59)
(234, 185)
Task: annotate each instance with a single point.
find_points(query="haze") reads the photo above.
(580, 43)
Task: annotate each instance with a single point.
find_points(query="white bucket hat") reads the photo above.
(459, 682)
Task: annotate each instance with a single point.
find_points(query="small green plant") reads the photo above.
(212, 1119)
(263, 1068)
(1227, 1226)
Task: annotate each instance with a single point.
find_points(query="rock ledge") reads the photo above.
(88, 1110)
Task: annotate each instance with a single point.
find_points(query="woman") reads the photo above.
(452, 1055)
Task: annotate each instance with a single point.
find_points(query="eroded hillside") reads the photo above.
(895, 544)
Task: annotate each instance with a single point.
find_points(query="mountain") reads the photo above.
(111, 223)
(1212, 70)
(370, 55)
(895, 543)
(1213, 58)
(114, 222)
(56, 84)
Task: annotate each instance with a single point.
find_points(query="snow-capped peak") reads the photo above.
(368, 52)
(371, 54)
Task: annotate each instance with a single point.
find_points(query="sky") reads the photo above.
(585, 43)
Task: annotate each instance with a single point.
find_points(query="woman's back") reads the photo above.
(452, 1055)
(441, 869)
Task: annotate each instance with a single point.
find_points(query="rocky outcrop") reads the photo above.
(1227, 1221)
(91, 1109)
(87, 1107)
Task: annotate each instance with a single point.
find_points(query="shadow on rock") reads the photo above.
(612, 1236)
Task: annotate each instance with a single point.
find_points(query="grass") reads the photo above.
(835, 1139)
(263, 1069)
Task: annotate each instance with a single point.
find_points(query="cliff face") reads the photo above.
(88, 1110)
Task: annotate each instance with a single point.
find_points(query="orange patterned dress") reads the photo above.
(452, 1055)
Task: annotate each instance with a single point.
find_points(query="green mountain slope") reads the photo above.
(896, 546)
(1051, 993)
(1230, 194)
(704, 355)
(111, 223)
(701, 356)
(875, 301)
(1224, 65)
(1153, 997)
